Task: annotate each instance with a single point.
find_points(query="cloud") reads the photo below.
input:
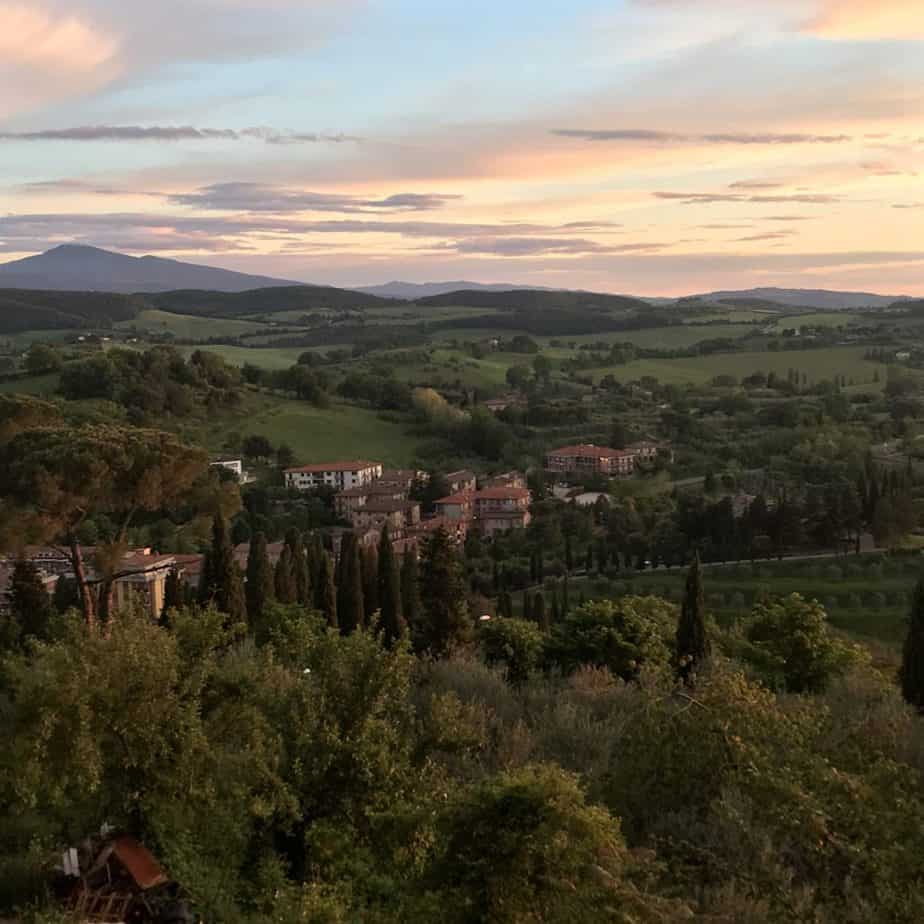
(869, 20)
(908, 205)
(662, 137)
(754, 184)
(262, 197)
(768, 236)
(788, 218)
(169, 133)
(46, 55)
(710, 198)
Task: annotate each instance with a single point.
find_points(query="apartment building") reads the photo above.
(587, 459)
(340, 476)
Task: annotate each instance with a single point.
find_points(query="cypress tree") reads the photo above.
(533, 568)
(30, 603)
(527, 606)
(446, 621)
(298, 562)
(410, 591)
(692, 644)
(351, 612)
(538, 612)
(222, 583)
(911, 673)
(325, 600)
(391, 618)
(174, 596)
(569, 555)
(66, 595)
(589, 559)
(555, 616)
(565, 597)
(259, 588)
(540, 567)
(369, 563)
(284, 577)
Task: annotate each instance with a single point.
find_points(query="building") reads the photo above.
(498, 510)
(397, 515)
(456, 530)
(456, 507)
(506, 480)
(460, 482)
(587, 459)
(647, 451)
(340, 476)
(404, 477)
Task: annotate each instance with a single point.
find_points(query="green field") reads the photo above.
(36, 385)
(25, 338)
(337, 433)
(187, 327)
(817, 364)
(818, 319)
(266, 358)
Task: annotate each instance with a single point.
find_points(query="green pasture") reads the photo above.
(337, 433)
(41, 385)
(818, 319)
(817, 364)
(266, 358)
(187, 327)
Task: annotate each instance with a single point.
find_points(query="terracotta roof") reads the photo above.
(502, 494)
(332, 467)
(355, 492)
(589, 451)
(435, 523)
(463, 498)
(462, 475)
(383, 505)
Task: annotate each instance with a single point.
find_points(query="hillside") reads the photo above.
(88, 269)
(36, 310)
(536, 300)
(416, 290)
(806, 298)
(264, 301)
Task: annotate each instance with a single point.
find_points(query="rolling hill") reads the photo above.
(76, 268)
(806, 298)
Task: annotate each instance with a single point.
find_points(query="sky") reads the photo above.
(654, 147)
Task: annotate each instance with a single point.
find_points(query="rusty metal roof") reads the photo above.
(139, 863)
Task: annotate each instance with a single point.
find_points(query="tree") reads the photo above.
(692, 646)
(369, 564)
(285, 456)
(174, 595)
(221, 578)
(445, 623)
(515, 643)
(30, 610)
(298, 562)
(257, 447)
(42, 357)
(538, 614)
(411, 605)
(259, 588)
(911, 673)
(391, 619)
(792, 646)
(325, 600)
(66, 595)
(284, 577)
(569, 555)
(526, 846)
(351, 612)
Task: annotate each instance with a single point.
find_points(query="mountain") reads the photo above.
(806, 298)
(77, 268)
(411, 291)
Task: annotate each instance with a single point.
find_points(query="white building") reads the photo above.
(338, 475)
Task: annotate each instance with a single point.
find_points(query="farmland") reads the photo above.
(187, 327)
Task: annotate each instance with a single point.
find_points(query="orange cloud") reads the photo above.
(870, 20)
(43, 57)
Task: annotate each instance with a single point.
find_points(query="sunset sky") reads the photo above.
(656, 147)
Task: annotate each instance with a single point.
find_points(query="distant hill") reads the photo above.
(804, 298)
(412, 291)
(264, 301)
(31, 310)
(77, 268)
(536, 300)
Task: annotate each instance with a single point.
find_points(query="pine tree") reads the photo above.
(222, 583)
(298, 562)
(369, 563)
(284, 577)
(351, 612)
(911, 673)
(259, 588)
(325, 599)
(692, 644)
(410, 592)
(174, 596)
(446, 621)
(29, 602)
(391, 618)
